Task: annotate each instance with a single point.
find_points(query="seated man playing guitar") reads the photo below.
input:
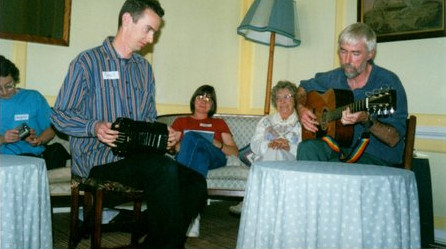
(380, 110)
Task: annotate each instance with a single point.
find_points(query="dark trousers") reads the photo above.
(55, 156)
(174, 194)
(318, 150)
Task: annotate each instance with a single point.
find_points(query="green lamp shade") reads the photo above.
(266, 16)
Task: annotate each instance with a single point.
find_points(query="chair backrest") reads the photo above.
(410, 142)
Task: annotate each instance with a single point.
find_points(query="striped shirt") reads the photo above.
(101, 86)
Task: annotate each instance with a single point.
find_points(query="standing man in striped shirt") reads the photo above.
(112, 81)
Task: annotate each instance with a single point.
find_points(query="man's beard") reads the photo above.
(352, 72)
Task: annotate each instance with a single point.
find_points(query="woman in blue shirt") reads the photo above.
(25, 126)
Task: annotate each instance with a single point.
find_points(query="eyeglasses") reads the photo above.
(287, 97)
(205, 98)
(7, 87)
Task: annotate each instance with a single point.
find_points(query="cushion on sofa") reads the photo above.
(60, 181)
(228, 177)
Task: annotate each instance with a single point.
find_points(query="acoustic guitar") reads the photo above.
(328, 109)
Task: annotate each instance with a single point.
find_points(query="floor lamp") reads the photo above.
(271, 22)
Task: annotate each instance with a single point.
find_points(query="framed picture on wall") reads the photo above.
(42, 21)
(395, 20)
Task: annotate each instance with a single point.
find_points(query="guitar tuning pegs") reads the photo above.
(372, 110)
(385, 88)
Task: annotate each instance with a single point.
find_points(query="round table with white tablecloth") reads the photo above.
(25, 208)
(304, 204)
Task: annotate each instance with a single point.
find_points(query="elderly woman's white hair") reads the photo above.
(283, 84)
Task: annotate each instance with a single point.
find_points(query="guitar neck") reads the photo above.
(358, 106)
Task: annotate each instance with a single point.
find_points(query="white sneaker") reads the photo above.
(237, 209)
(194, 228)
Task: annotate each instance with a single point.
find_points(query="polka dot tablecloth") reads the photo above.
(25, 209)
(305, 204)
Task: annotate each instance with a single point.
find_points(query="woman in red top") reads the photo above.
(205, 141)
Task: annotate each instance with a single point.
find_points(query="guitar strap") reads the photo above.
(355, 153)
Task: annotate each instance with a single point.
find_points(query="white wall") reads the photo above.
(6, 48)
(420, 64)
(198, 45)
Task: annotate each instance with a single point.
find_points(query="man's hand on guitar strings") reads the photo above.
(105, 134)
(349, 118)
(308, 119)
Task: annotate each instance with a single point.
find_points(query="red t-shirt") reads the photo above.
(217, 125)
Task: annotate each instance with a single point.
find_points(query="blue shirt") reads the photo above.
(29, 107)
(379, 78)
(101, 86)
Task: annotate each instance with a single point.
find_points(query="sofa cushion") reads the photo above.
(60, 181)
(228, 177)
(242, 127)
(59, 175)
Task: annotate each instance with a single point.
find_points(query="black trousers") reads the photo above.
(55, 156)
(174, 194)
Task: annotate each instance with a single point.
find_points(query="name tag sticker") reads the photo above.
(21, 117)
(110, 75)
(205, 125)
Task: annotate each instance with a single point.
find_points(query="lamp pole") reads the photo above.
(269, 76)
(268, 19)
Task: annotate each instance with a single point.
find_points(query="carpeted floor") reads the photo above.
(218, 230)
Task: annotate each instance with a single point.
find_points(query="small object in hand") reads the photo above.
(23, 131)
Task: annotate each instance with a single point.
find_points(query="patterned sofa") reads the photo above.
(228, 181)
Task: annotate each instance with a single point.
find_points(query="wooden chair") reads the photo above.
(410, 142)
(95, 196)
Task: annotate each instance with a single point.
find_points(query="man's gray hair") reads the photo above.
(358, 32)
